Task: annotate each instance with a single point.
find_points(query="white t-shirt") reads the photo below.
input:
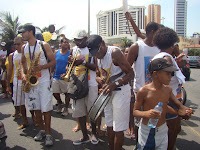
(140, 66)
(178, 77)
(16, 64)
(105, 63)
(83, 53)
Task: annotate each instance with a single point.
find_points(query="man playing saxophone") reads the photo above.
(40, 97)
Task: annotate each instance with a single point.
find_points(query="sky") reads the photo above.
(73, 14)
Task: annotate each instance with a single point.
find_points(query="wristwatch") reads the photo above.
(84, 63)
(117, 83)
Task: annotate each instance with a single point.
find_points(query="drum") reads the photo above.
(98, 106)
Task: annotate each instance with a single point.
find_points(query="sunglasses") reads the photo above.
(173, 73)
(17, 44)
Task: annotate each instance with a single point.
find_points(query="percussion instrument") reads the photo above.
(98, 106)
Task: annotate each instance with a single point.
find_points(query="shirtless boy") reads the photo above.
(147, 98)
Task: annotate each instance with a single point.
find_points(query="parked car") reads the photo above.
(186, 69)
(194, 61)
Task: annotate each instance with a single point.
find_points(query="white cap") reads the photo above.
(80, 34)
(3, 43)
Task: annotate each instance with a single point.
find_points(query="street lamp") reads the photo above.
(163, 18)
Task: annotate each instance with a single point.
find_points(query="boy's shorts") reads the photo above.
(153, 138)
(59, 86)
(117, 111)
(80, 107)
(40, 97)
(18, 95)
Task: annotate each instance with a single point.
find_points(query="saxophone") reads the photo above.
(31, 79)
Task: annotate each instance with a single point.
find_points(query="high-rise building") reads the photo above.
(154, 13)
(180, 22)
(114, 23)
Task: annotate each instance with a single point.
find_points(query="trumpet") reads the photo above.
(70, 69)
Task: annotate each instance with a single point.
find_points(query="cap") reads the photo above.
(161, 64)
(3, 43)
(26, 27)
(80, 34)
(93, 43)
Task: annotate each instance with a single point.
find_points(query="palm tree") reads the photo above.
(8, 26)
(125, 42)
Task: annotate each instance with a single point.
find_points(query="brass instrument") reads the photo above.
(31, 79)
(70, 69)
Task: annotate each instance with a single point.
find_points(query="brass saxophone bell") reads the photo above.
(34, 80)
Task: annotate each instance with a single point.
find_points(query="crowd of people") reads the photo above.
(145, 74)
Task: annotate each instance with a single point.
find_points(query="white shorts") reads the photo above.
(117, 111)
(82, 106)
(40, 97)
(3, 75)
(18, 94)
(153, 138)
(59, 86)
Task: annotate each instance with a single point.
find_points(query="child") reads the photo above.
(147, 98)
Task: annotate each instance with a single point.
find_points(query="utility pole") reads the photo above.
(88, 18)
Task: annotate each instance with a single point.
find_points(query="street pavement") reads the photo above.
(61, 131)
(188, 139)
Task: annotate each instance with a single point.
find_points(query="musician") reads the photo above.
(59, 85)
(117, 110)
(18, 96)
(39, 98)
(82, 106)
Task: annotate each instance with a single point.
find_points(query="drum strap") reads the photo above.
(115, 76)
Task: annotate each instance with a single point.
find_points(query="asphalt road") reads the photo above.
(188, 139)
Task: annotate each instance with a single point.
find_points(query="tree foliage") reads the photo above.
(8, 26)
(125, 42)
(194, 52)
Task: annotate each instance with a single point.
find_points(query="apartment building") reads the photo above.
(180, 22)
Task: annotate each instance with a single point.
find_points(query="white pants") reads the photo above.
(40, 97)
(117, 111)
(18, 94)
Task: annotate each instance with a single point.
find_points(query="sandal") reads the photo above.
(132, 136)
(22, 126)
(76, 129)
(104, 127)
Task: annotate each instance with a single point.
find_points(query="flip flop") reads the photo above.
(104, 127)
(22, 126)
(132, 136)
(128, 133)
(76, 129)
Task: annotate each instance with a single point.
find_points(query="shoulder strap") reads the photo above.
(44, 50)
(13, 57)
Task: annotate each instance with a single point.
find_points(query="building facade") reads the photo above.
(154, 13)
(180, 22)
(113, 23)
